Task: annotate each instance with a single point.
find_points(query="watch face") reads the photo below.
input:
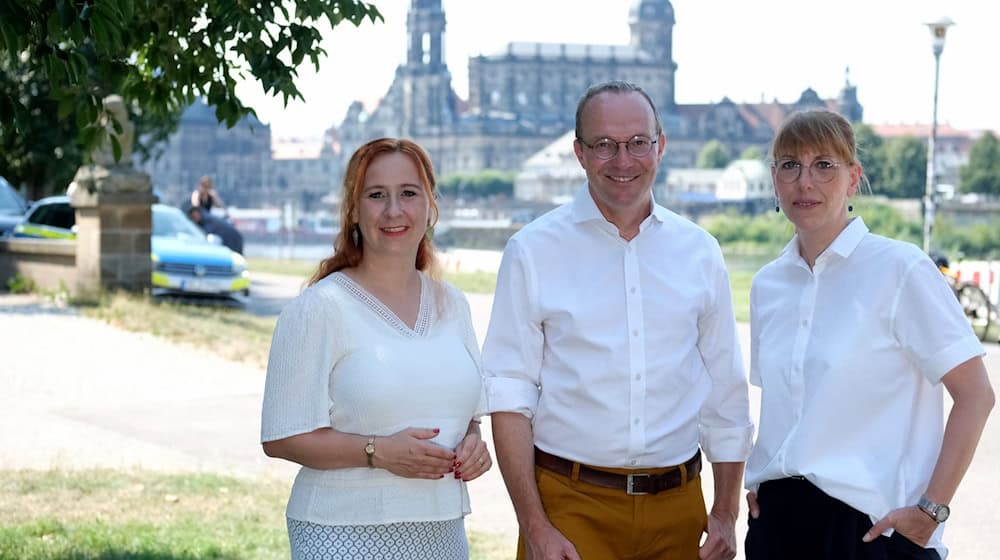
(369, 449)
(942, 513)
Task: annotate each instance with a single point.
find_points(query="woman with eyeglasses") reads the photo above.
(854, 338)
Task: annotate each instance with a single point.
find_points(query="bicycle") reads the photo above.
(975, 303)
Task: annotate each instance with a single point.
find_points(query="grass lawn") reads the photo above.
(141, 515)
(225, 331)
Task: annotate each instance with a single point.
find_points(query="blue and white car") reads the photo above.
(185, 262)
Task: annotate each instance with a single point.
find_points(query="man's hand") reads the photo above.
(910, 522)
(721, 541)
(547, 543)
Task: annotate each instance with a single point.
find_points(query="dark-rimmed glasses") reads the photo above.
(821, 170)
(606, 148)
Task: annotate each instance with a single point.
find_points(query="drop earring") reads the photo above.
(777, 208)
(356, 235)
(850, 208)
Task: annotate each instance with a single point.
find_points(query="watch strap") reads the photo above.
(932, 509)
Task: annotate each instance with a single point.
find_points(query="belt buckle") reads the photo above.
(629, 485)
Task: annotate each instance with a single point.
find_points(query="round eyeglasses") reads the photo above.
(606, 148)
(821, 170)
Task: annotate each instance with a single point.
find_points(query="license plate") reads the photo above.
(203, 286)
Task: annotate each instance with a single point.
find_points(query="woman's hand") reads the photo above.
(910, 522)
(472, 457)
(407, 453)
(752, 505)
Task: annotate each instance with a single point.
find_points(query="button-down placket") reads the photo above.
(803, 330)
(637, 353)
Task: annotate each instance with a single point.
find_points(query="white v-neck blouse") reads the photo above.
(341, 359)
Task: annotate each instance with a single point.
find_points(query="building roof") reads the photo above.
(569, 51)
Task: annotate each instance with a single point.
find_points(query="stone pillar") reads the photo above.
(113, 240)
(113, 214)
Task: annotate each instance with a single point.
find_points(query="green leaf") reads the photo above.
(66, 106)
(116, 147)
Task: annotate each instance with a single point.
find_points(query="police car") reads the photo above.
(184, 261)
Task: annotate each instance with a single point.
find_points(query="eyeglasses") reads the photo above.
(606, 148)
(821, 170)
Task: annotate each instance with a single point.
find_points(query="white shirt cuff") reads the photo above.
(727, 445)
(949, 358)
(506, 394)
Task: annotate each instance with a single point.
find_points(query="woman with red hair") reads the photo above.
(373, 382)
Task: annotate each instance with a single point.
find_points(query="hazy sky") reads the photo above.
(746, 50)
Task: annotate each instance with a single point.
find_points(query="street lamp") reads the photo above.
(938, 29)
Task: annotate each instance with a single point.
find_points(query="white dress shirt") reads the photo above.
(849, 358)
(341, 359)
(623, 353)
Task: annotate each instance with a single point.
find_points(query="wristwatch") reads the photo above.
(370, 451)
(937, 512)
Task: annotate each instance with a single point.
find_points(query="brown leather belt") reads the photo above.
(633, 484)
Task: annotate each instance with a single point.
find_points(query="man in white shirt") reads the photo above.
(612, 357)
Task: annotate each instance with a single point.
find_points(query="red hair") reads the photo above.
(346, 253)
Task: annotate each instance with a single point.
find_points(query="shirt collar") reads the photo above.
(843, 245)
(585, 209)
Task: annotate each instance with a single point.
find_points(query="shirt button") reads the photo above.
(635, 421)
(805, 322)
(638, 376)
(632, 290)
(635, 333)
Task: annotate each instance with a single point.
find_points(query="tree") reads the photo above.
(159, 56)
(713, 155)
(982, 173)
(871, 153)
(483, 184)
(905, 171)
(752, 152)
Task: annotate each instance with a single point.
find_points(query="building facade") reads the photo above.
(524, 97)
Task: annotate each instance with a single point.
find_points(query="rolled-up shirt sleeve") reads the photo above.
(725, 428)
(512, 352)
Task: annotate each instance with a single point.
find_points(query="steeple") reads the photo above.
(652, 26)
(848, 100)
(425, 25)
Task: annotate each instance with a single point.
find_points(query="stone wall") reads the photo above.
(49, 263)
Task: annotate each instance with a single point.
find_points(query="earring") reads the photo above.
(850, 208)
(777, 208)
(356, 235)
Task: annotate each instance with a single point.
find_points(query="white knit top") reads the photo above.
(340, 359)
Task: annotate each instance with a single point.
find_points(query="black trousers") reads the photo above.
(798, 521)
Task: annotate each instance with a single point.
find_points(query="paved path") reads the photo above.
(79, 393)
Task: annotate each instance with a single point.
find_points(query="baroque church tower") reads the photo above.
(652, 25)
(429, 105)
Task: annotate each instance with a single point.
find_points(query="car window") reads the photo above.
(170, 222)
(9, 201)
(59, 214)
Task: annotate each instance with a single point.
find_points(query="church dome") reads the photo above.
(651, 10)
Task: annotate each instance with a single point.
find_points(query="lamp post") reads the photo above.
(938, 30)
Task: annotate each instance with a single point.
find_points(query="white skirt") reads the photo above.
(437, 540)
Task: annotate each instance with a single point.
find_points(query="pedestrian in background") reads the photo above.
(853, 336)
(373, 383)
(206, 197)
